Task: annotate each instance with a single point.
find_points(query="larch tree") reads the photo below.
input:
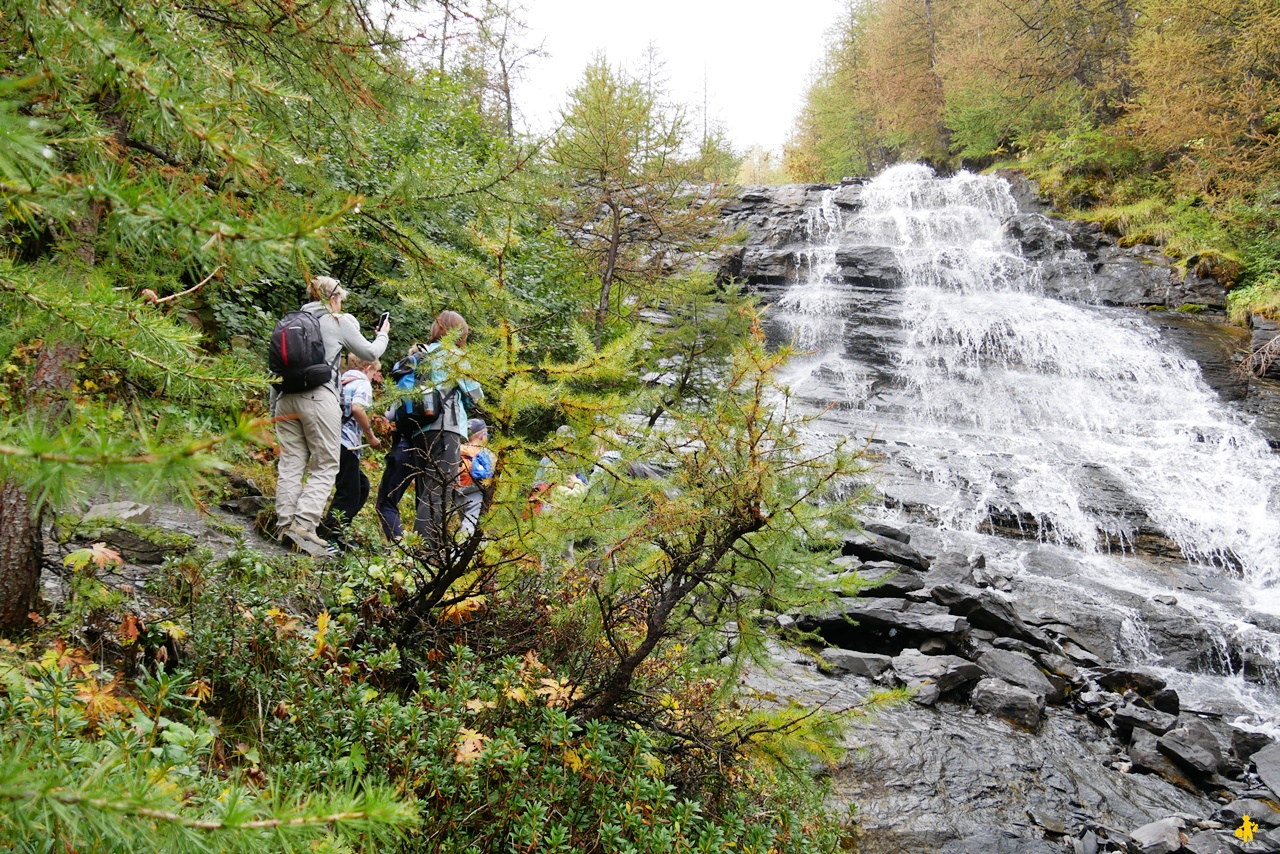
(152, 153)
(630, 198)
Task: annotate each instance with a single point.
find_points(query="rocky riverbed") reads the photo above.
(1027, 731)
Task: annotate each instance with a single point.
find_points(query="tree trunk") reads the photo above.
(21, 550)
(21, 514)
(607, 273)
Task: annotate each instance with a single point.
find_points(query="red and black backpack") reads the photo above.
(297, 353)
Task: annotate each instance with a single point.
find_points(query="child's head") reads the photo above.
(478, 430)
(370, 368)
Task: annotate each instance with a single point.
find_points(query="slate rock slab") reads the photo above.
(1018, 669)
(890, 579)
(868, 664)
(1192, 746)
(1267, 761)
(933, 675)
(1135, 717)
(1158, 837)
(872, 547)
(1010, 702)
(1262, 812)
(120, 511)
(1144, 753)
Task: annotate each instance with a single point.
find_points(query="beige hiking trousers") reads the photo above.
(309, 447)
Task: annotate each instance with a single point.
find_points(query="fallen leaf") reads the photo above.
(129, 629)
(470, 746)
(322, 626)
(98, 554)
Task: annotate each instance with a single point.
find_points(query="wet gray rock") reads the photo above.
(931, 676)
(1267, 761)
(868, 664)
(1018, 669)
(869, 266)
(1263, 813)
(987, 610)
(1166, 701)
(905, 616)
(1059, 665)
(1207, 842)
(1246, 742)
(120, 511)
(1135, 717)
(887, 531)
(1193, 747)
(889, 579)
(1158, 837)
(950, 568)
(873, 547)
(1010, 702)
(1144, 753)
(1120, 681)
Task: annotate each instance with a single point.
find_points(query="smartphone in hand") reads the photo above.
(382, 321)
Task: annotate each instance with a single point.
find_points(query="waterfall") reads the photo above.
(1072, 419)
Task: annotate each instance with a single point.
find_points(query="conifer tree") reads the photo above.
(149, 151)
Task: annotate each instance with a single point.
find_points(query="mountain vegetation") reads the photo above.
(1157, 119)
(566, 677)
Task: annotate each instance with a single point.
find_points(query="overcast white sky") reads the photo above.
(757, 57)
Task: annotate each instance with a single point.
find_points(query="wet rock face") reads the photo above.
(1102, 757)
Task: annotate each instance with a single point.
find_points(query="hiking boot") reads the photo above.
(308, 542)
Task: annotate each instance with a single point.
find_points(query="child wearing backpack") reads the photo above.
(352, 484)
(473, 476)
(305, 347)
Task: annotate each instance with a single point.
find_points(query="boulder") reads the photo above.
(1011, 702)
(933, 675)
(986, 609)
(1059, 665)
(1193, 747)
(120, 511)
(1120, 681)
(1017, 668)
(889, 579)
(949, 568)
(905, 616)
(1267, 761)
(887, 531)
(1145, 755)
(1265, 814)
(1158, 837)
(1206, 842)
(868, 664)
(873, 547)
(1130, 716)
(1166, 701)
(1246, 742)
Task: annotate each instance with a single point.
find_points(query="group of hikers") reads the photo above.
(324, 423)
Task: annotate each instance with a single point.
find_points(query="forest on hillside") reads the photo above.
(561, 677)
(1157, 118)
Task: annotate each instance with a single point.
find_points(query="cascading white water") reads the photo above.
(817, 305)
(1017, 401)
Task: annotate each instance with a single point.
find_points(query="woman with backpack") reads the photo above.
(438, 443)
(306, 400)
